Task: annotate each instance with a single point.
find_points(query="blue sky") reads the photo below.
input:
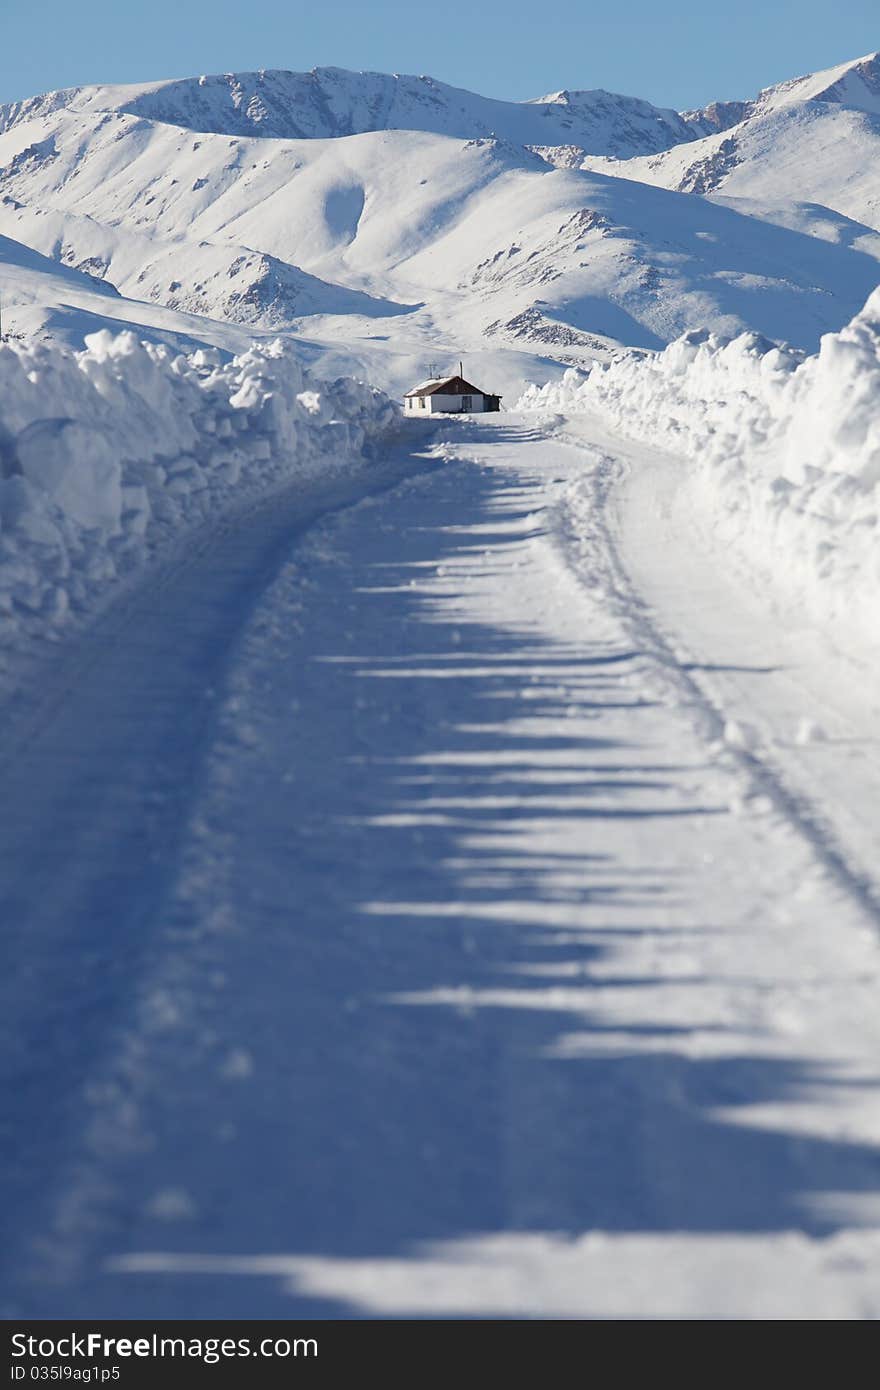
(679, 53)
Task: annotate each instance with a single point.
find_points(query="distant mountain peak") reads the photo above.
(329, 102)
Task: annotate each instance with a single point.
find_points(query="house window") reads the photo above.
(423, 402)
(467, 402)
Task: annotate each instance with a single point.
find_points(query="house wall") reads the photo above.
(452, 404)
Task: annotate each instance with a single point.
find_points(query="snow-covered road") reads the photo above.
(396, 931)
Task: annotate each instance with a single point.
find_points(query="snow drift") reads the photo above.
(787, 450)
(106, 453)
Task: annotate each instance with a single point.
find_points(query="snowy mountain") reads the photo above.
(331, 102)
(380, 218)
(812, 139)
(855, 84)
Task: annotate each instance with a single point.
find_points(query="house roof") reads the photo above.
(446, 386)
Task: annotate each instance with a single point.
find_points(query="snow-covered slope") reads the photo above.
(45, 298)
(815, 138)
(854, 84)
(378, 217)
(466, 243)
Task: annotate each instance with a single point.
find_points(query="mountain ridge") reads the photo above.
(281, 103)
(813, 138)
(330, 102)
(398, 235)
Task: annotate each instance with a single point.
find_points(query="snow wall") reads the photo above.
(785, 453)
(109, 452)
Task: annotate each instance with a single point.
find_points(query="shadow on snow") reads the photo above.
(419, 921)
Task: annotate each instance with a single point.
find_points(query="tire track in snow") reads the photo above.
(588, 536)
(102, 754)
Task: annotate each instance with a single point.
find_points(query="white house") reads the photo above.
(450, 394)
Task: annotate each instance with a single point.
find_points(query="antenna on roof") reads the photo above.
(433, 371)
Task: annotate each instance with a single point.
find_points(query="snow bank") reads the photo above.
(787, 452)
(107, 453)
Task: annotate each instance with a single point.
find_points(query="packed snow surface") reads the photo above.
(379, 937)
